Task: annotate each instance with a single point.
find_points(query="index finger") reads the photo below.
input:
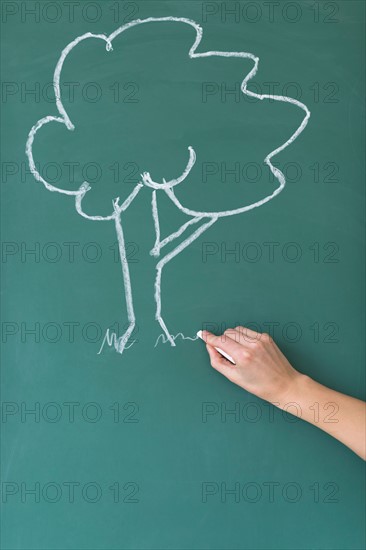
(227, 344)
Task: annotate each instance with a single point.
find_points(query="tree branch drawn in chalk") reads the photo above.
(202, 219)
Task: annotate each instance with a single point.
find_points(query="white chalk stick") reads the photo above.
(221, 351)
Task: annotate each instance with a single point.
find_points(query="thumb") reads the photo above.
(219, 363)
(227, 344)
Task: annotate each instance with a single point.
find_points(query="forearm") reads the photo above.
(341, 416)
(262, 369)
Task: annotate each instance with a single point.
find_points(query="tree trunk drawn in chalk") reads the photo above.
(199, 221)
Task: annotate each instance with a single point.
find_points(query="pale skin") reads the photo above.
(262, 369)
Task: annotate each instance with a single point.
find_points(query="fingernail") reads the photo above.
(202, 334)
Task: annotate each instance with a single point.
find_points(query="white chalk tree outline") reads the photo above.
(209, 218)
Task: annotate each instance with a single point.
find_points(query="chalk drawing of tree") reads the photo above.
(199, 221)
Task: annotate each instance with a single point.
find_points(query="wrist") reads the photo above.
(294, 391)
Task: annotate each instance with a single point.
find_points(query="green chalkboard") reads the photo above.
(167, 167)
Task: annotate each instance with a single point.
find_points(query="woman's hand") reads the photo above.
(260, 367)
(263, 370)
